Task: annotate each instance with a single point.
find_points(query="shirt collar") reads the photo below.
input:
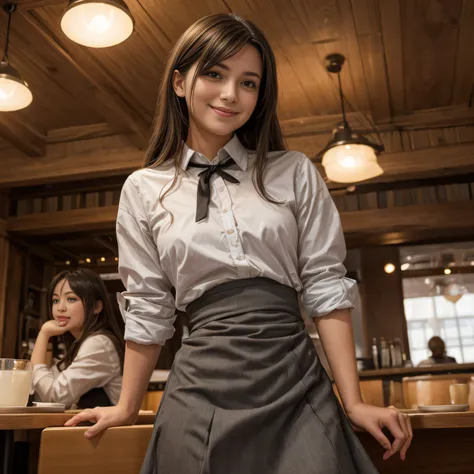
(232, 148)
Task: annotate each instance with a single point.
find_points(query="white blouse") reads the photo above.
(97, 364)
(298, 243)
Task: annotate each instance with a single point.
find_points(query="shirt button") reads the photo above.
(230, 231)
(221, 189)
(224, 211)
(240, 257)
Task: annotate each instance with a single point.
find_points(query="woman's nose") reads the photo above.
(229, 92)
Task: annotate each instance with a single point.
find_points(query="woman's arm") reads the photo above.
(335, 332)
(140, 361)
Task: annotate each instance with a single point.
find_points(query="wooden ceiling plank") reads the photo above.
(367, 23)
(115, 108)
(430, 39)
(81, 132)
(20, 137)
(354, 60)
(463, 86)
(24, 5)
(392, 40)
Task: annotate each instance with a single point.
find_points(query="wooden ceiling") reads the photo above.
(404, 59)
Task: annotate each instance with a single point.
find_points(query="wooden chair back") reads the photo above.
(119, 450)
(430, 389)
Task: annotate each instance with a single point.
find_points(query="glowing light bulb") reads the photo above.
(348, 162)
(99, 24)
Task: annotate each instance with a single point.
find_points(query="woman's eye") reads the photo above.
(55, 301)
(213, 75)
(250, 84)
(71, 299)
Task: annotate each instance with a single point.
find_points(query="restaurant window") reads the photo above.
(435, 315)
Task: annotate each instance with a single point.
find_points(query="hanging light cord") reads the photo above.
(9, 8)
(341, 96)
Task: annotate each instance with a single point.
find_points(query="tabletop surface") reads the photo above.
(44, 420)
(31, 421)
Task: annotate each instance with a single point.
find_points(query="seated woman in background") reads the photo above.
(438, 353)
(91, 372)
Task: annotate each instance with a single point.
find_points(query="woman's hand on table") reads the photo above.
(372, 419)
(102, 418)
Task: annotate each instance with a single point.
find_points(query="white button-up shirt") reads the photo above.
(97, 364)
(298, 243)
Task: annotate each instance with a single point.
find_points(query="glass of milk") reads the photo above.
(15, 382)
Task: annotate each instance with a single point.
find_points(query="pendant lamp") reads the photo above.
(14, 91)
(97, 23)
(348, 157)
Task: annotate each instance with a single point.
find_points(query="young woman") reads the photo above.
(91, 372)
(237, 226)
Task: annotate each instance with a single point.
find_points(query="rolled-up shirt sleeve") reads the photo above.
(147, 305)
(321, 246)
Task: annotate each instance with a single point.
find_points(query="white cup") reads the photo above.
(15, 382)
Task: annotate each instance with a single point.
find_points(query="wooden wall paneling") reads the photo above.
(393, 51)
(369, 36)
(4, 247)
(383, 313)
(430, 36)
(464, 72)
(13, 300)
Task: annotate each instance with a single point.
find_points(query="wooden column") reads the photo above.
(3, 279)
(382, 297)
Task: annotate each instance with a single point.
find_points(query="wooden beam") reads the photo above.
(422, 219)
(427, 272)
(108, 244)
(77, 220)
(414, 164)
(20, 137)
(99, 163)
(115, 108)
(423, 119)
(425, 218)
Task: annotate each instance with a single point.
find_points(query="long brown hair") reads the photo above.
(207, 42)
(90, 288)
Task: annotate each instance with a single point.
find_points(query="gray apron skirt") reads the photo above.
(248, 395)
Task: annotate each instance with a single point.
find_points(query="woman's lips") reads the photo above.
(62, 319)
(223, 112)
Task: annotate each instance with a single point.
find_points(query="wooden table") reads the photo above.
(442, 444)
(38, 421)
